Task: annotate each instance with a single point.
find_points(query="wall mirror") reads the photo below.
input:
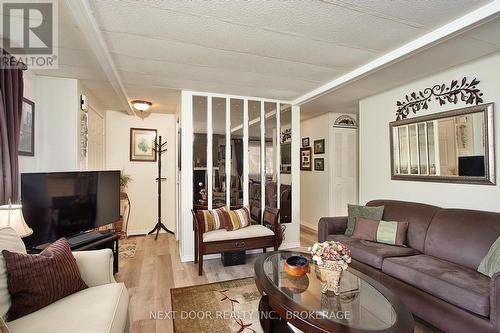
(454, 147)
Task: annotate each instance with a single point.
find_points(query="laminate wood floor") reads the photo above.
(156, 268)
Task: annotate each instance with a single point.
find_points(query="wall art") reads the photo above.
(457, 91)
(142, 144)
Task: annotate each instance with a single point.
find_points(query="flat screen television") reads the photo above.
(472, 166)
(63, 204)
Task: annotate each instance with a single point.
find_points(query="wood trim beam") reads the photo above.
(86, 21)
(441, 34)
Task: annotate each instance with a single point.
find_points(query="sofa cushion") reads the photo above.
(371, 253)
(417, 215)
(455, 284)
(343, 239)
(101, 309)
(248, 232)
(452, 229)
(9, 240)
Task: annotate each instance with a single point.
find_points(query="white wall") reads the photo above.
(143, 188)
(315, 185)
(377, 111)
(29, 163)
(56, 121)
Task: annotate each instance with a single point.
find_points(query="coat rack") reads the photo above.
(159, 148)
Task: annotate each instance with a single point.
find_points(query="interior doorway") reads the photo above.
(330, 182)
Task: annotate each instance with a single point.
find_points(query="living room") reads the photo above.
(249, 166)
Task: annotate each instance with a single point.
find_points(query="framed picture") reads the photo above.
(305, 142)
(141, 144)
(305, 159)
(27, 129)
(319, 164)
(319, 146)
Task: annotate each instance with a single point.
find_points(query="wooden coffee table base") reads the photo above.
(270, 320)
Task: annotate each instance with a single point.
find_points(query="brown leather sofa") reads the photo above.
(435, 276)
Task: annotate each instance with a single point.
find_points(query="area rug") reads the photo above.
(222, 307)
(127, 248)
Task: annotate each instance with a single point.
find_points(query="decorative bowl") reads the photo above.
(296, 266)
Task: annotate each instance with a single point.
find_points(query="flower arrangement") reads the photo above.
(331, 253)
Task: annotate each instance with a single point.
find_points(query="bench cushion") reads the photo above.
(458, 285)
(248, 232)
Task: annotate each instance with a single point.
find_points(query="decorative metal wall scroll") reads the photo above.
(464, 91)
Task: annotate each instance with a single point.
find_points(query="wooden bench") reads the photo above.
(255, 236)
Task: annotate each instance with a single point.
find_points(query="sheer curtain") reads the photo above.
(11, 101)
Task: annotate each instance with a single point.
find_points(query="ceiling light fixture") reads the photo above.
(141, 106)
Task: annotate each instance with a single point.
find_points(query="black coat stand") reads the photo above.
(159, 148)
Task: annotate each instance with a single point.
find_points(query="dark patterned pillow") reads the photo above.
(37, 280)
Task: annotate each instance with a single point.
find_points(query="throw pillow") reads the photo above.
(388, 232)
(355, 211)
(9, 240)
(213, 219)
(238, 219)
(491, 262)
(37, 280)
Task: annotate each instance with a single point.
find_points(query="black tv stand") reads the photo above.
(87, 237)
(91, 240)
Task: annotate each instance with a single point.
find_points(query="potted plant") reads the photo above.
(331, 258)
(124, 181)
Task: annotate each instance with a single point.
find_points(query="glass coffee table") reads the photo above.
(363, 305)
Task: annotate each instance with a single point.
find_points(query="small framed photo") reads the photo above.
(142, 144)
(27, 129)
(305, 142)
(319, 164)
(319, 146)
(305, 159)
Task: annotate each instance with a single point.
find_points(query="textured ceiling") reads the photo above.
(275, 49)
(473, 44)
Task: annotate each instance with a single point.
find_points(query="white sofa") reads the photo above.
(101, 308)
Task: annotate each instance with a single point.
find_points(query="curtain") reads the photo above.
(11, 102)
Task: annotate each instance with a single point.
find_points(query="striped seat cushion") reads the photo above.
(239, 218)
(213, 219)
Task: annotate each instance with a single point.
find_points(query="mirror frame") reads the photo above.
(488, 137)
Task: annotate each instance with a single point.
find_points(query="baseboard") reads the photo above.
(308, 226)
(287, 246)
(284, 246)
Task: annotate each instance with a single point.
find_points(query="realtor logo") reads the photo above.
(29, 33)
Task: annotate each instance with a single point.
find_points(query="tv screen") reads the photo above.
(62, 204)
(471, 166)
